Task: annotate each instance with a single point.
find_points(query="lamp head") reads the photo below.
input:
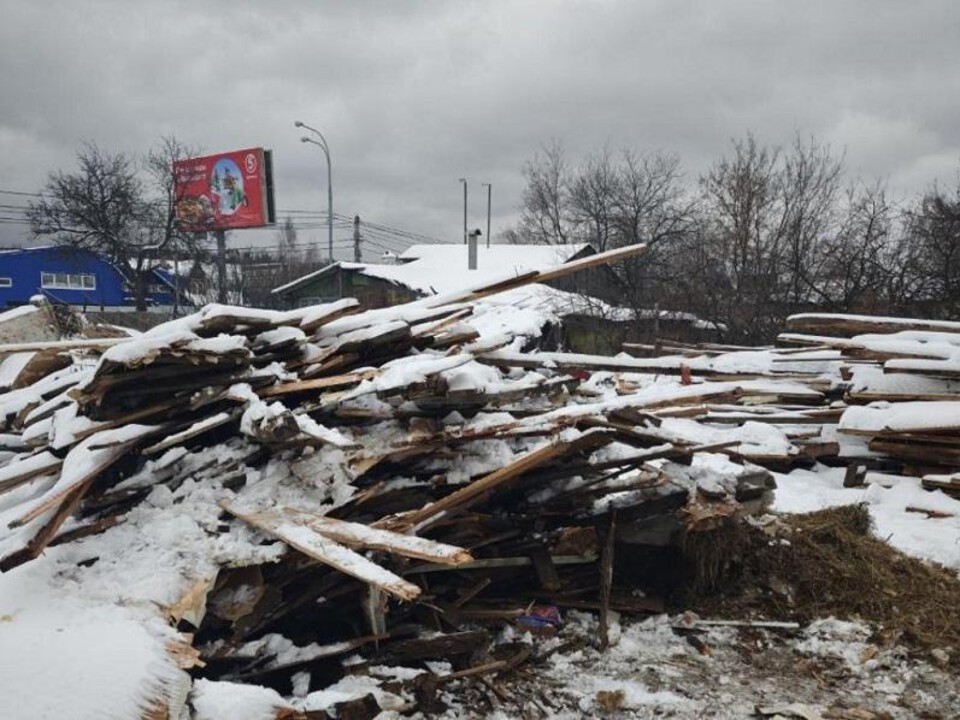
(304, 139)
(297, 123)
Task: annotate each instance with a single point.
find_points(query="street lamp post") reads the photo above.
(322, 144)
(464, 181)
(489, 187)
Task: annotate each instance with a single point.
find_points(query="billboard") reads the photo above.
(226, 191)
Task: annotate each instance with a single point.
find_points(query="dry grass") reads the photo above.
(832, 566)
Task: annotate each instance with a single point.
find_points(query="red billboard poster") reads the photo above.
(225, 191)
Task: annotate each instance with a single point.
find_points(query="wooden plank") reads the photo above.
(23, 471)
(322, 383)
(38, 543)
(198, 428)
(861, 324)
(544, 276)
(74, 344)
(925, 452)
(608, 543)
(437, 647)
(81, 467)
(337, 310)
(364, 537)
(501, 562)
(326, 551)
(465, 496)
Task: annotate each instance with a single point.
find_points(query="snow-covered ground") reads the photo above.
(913, 532)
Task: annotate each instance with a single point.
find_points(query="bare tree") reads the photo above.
(767, 215)
(105, 206)
(740, 200)
(592, 196)
(99, 207)
(767, 232)
(934, 226)
(167, 237)
(809, 183)
(545, 212)
(853, 272)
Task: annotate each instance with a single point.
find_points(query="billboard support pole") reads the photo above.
(221, 237)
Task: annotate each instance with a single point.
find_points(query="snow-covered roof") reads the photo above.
(441, 268)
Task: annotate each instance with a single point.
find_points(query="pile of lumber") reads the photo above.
(887, 409)
(902, 382)
(343, 510)
(303, 497)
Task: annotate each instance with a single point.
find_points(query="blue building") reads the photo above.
(72, 276)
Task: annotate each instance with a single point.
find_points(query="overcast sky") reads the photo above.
(414, 95)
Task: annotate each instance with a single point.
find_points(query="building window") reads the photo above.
(67, 281)
(6, 282)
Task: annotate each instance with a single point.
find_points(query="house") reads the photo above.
(583, 307)
(73, 276)
(425, 270)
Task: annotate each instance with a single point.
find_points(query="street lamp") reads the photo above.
(464, 181)
(322, 144)
(489, 187)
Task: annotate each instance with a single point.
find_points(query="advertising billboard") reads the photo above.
(226, 191)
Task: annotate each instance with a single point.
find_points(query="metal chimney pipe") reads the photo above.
(472, 249)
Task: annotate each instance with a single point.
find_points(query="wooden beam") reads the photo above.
(321, 383)
(861, 324)
(461, 499)
(608, 539)
(75, 344)
(363, 537)
(324, 550)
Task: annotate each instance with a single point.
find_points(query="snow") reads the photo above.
(18, 312)
(755, 439)
(145, 348)
(11, 366)
(353, 687)
(881, 417)
(936, 539)
(278, 336)
(221, 700)
(86, 660)
(870, 379)
(441, 269)
(406, 371)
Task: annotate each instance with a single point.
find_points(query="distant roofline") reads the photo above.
(575, 248)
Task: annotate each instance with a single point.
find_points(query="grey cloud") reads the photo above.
(414, 95)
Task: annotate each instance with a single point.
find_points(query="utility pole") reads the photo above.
(357, 257)
(464, 181)
(221, 237)
(489, 193)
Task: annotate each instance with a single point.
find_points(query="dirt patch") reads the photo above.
(823, 564)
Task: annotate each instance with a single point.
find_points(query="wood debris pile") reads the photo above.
(308, 497)
(901, 382)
